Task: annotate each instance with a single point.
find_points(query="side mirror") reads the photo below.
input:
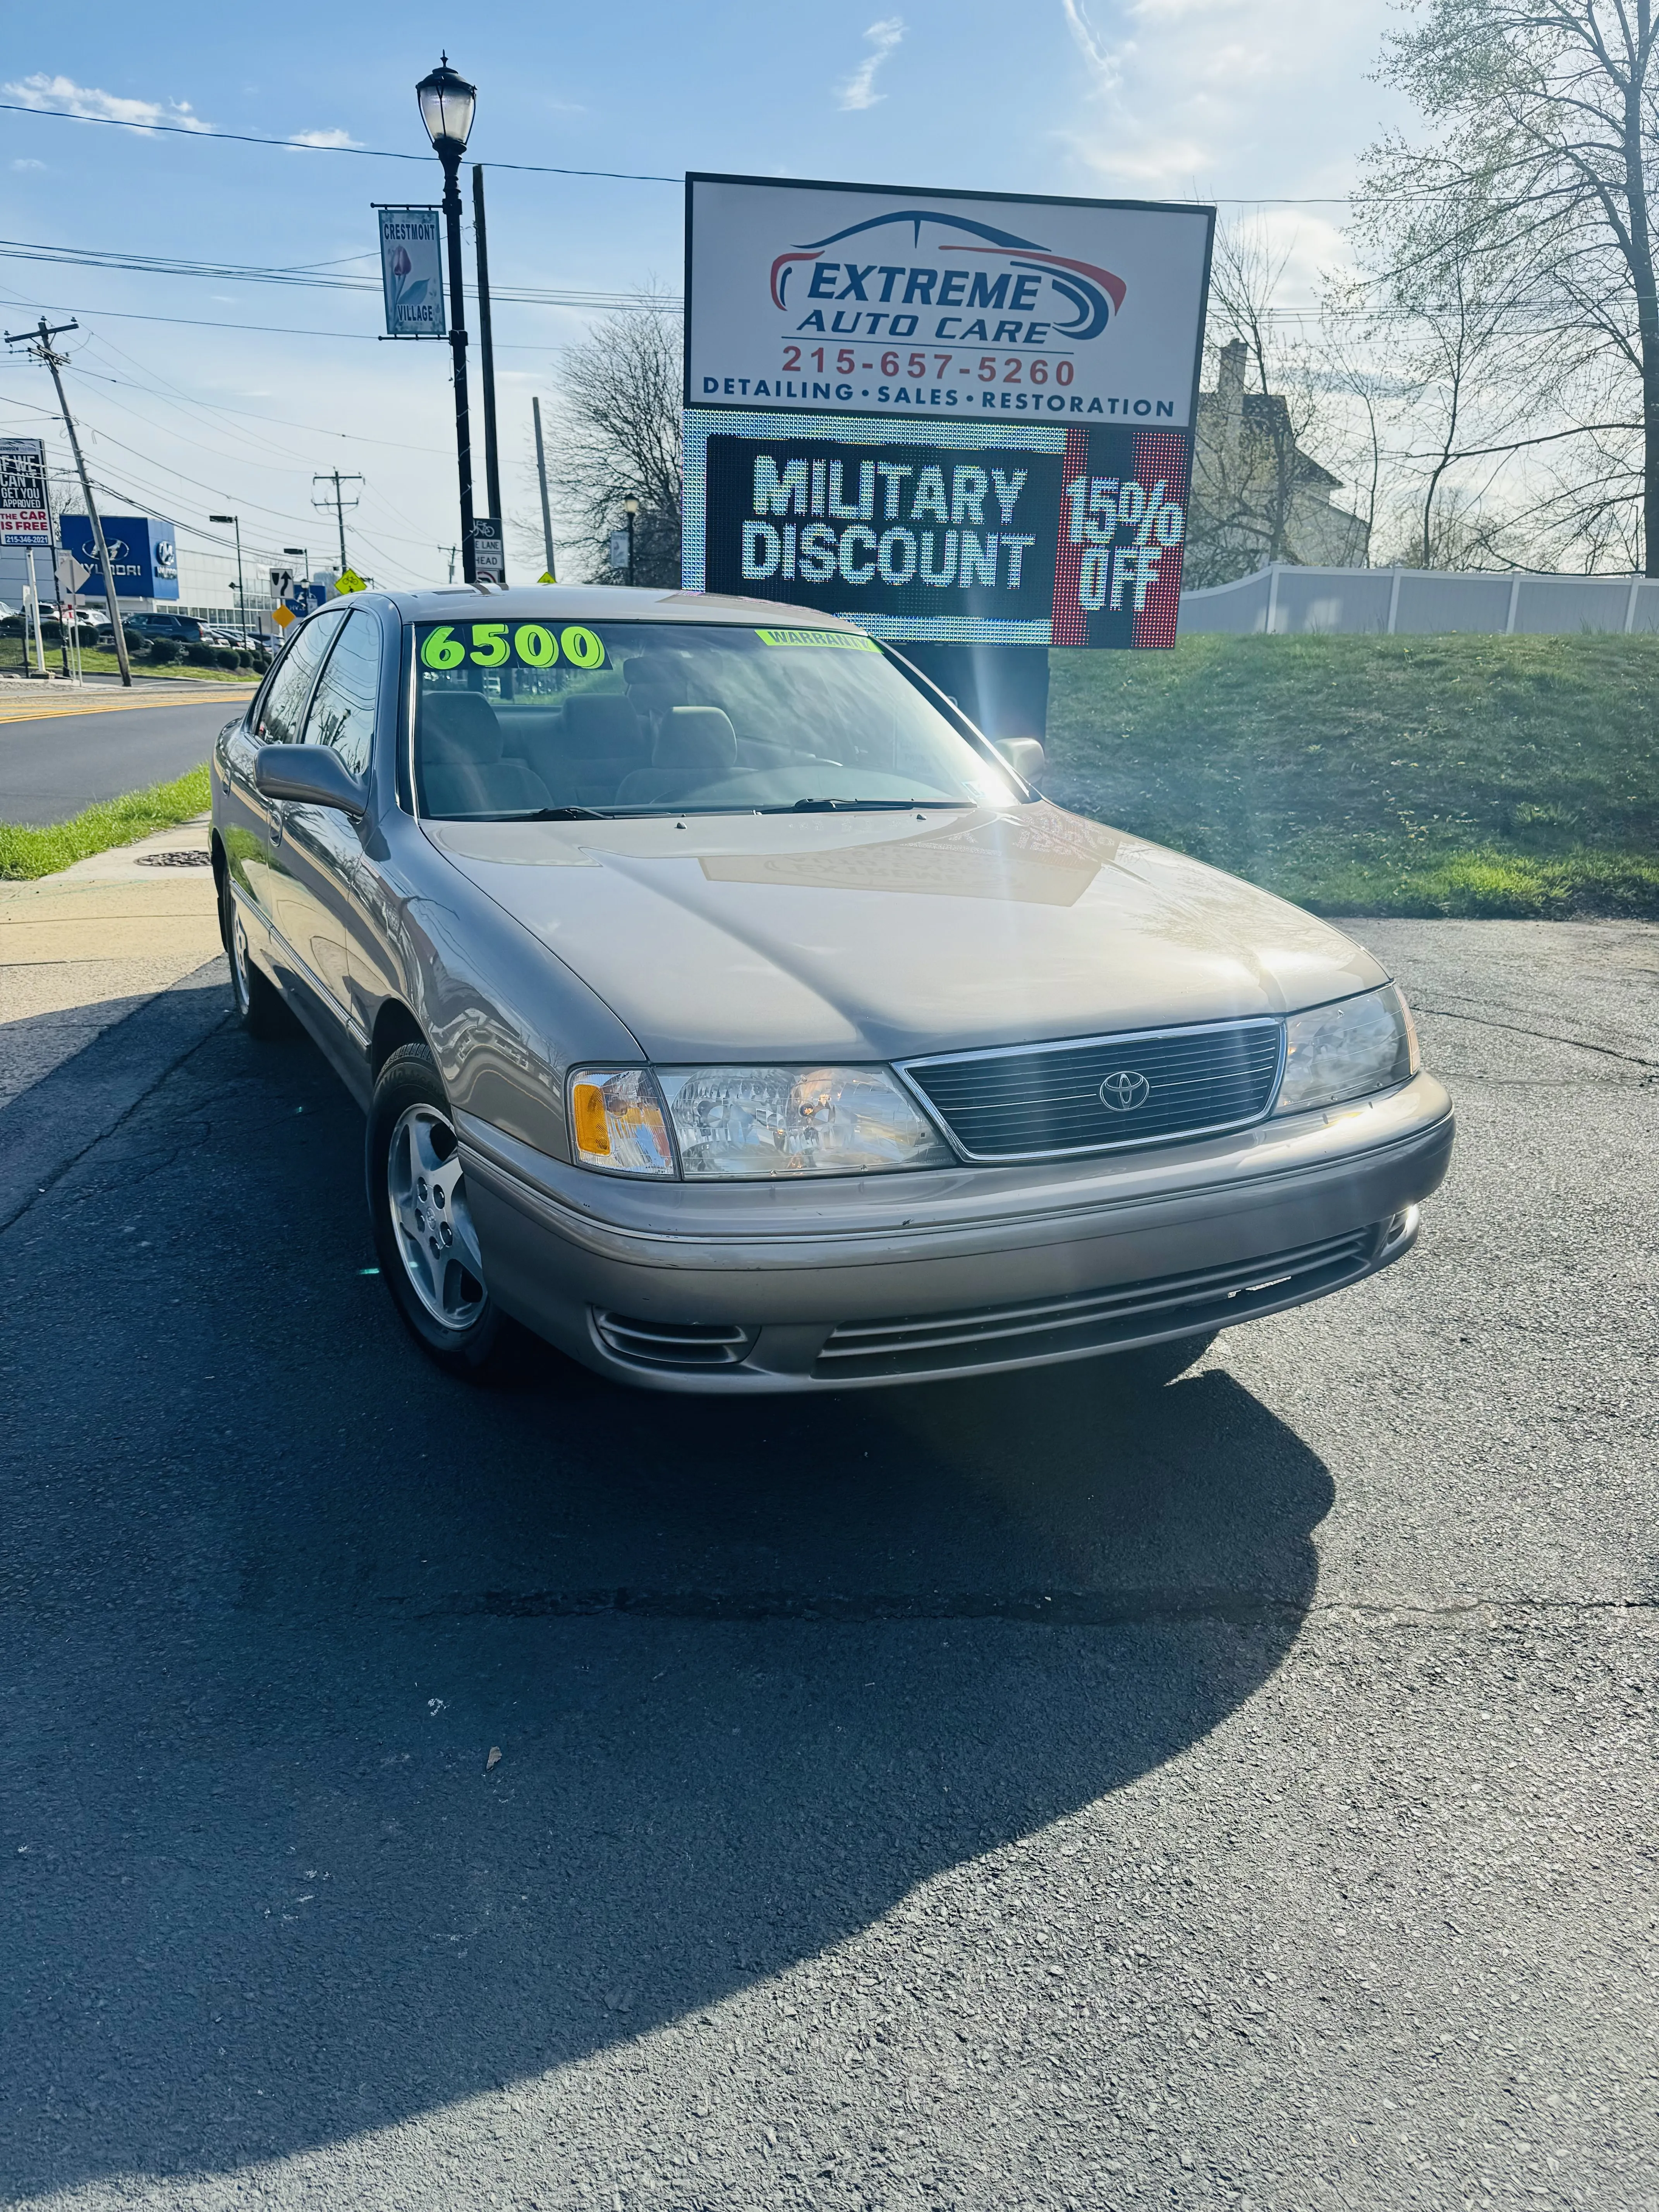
(310, 775)
(1025, 756)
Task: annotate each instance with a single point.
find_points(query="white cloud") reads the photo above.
(61, 95)
(29, 165)
(323, 138)
(1101, 58)
(1234, 97)
(859, 90)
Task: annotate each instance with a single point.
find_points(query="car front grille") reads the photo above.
(1164, 1305)
(674, 1343)
(1034, 1101)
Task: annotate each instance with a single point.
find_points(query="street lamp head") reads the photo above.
(630, 507)
(447, 104)
(299, 549)
(221, 518)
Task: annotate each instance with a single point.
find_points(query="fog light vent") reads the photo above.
(674, 1343)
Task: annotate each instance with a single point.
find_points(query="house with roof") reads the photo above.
(1256, 495)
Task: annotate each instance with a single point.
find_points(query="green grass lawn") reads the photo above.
(1436, 775)
(25, 852)
(16, 660)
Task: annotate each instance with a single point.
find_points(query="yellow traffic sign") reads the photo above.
(349, 580)
(547, 577)
(281, 617)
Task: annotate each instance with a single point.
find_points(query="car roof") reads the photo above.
(570, 603)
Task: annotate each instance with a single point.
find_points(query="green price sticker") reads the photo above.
(496, 644)
(853, 641)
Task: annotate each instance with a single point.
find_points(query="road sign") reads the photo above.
(282, 616)
(349, 580)
(282, 583)
(547, 577)
(80, 574)
(488, 552)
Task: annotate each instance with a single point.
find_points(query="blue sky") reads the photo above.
(1242, 100)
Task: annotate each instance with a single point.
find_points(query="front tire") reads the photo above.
(430, 1259)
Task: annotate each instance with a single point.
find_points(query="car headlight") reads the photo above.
(617, 1122)
(795, 1122)
(1347, 1050)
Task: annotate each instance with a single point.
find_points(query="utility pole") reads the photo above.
(334, 478)
(541, 472)
(241, 588)
(40, 345)
(452, 551)
(487, 358)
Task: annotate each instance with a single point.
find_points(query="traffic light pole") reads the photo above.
(40, 345)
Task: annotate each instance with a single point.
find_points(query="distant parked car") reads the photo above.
(185, 628)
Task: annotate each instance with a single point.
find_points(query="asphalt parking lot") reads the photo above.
(984, 1796)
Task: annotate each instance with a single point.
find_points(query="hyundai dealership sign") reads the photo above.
(866, 300)
(142, 553)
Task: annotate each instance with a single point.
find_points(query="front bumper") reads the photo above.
(839, 1285)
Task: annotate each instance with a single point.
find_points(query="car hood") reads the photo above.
(876, 936)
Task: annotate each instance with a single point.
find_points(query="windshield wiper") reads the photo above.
(860, 805)
(559, 814)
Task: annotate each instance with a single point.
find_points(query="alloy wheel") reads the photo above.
(431, 1219)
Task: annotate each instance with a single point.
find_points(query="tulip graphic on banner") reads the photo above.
(412, 272)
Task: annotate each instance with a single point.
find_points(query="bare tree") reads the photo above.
(616, 436)
(1258, 494)
(1541, 167)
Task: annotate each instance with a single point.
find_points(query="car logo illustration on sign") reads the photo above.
(991, 306)
(1124, 1090)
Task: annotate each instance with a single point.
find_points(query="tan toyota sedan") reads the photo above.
(726, 1010)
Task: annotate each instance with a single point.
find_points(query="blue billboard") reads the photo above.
(142, 552)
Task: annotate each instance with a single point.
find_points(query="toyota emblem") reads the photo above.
(1124, 1090)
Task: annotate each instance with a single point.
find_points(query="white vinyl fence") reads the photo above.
(1283, 601)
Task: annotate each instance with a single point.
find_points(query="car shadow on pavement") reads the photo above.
(754, 1671)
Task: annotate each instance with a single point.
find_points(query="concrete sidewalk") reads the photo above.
(82, 950)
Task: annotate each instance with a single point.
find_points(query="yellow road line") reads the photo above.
(231, 693)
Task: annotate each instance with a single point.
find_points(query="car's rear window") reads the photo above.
(517, 718)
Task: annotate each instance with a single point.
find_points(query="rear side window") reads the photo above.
(342, 706)
(282, 708)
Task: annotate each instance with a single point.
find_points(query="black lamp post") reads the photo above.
(630, 508)
(241, 588)
(447, 104)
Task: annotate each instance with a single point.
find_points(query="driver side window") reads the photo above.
(282, 708)
(341, 714)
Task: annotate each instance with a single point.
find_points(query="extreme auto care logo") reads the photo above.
(944, 279)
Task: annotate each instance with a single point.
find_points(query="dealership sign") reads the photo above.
(142, 552)
(24, 518)
(864, 299)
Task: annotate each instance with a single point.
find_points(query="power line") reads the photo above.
(221, 272)
(547, 169)
(302, 146)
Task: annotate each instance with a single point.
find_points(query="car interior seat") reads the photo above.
(695, 746)
(462, 767)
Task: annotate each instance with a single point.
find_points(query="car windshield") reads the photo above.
(516, 720)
